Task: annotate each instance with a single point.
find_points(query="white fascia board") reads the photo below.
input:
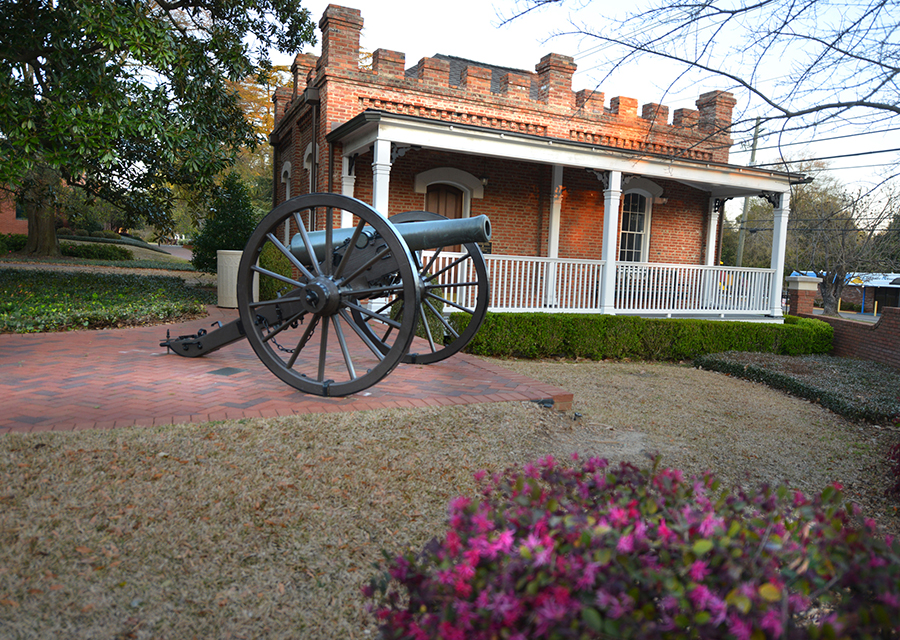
(718, 179)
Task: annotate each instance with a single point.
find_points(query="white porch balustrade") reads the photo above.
(529, 284)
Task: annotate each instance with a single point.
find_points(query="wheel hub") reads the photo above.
(322, 297)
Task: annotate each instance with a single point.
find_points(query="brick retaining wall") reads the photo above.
(879, 342)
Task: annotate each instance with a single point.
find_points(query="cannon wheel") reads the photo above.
(307, 336)
(462, 285)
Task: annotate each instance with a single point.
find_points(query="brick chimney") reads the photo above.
(715, 109)
(340, 28)
(302, 65)
(555, 80)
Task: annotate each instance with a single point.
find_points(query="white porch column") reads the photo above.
(712, 233)
(381, 168)
(779, 238)
(348, 188)
(553, 233)
(612, 197)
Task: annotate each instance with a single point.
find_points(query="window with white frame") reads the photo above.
(635, 235)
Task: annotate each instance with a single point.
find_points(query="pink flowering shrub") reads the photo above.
(592, 551)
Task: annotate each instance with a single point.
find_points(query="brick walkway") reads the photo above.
(118, 378)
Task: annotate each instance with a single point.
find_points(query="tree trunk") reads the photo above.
(38, 198)
(832, 288)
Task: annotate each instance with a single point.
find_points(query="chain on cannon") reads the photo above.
(355, 298)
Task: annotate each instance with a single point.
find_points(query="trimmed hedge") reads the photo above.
(540, 335)
(856, 389)
(121, 240)
(95, 251)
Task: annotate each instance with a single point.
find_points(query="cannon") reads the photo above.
(354, 298)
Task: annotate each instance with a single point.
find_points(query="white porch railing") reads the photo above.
(691, 289)
(522, 283)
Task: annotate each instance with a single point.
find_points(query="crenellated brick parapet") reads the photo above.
(540, 103)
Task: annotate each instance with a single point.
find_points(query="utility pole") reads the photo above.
(743, 230)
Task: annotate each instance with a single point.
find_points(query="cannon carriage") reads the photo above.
(356, 297)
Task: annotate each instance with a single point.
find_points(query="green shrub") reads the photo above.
(597, 551)
(540, 335)
(275, 261)
(82, 232)
(228, 226)
(111, 252)
(109, 235)
(14, 241)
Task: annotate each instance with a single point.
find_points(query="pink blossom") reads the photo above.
(621, 606)
(700, 596)
(663, 531)
(588, 575)
(618, 516)
(710, 524)
(449, 632)
(626, 544)
(453, 543)
(739, 628)
(503, 543)
(481, 522)
(771, 622)
(890, 599)
(698, 571)
(543, 557)
(479, 475)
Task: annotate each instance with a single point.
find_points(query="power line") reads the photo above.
(849, 135)
(845, 155)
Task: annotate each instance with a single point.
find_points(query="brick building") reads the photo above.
(544, 162)
(11, 220)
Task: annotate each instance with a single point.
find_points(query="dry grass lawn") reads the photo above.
(268, 528)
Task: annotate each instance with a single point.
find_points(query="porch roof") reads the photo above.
(719, 179)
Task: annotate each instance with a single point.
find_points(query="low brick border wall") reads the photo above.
(879, 342)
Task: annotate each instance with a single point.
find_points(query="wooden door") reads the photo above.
(445, 200)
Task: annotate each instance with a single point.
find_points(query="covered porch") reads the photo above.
(611, 284)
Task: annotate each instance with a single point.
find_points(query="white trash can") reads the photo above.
(227, 263)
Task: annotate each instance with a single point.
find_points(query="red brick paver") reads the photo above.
(117, 378)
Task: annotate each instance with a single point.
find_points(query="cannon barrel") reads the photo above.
(418, 236)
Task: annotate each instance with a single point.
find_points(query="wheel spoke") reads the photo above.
(351, 247)
(278, 276)
(431, 261)
(329, 239)
(379, 256)
(424, 319)
(277, 301)
(323, 349)
(314, 259)
(447, 268)
(284, 325)
(302, 343)
(374, 291)
(346, 352)
(362, 336)
(451, 303)
(440, 316)
(290, 256)
(383, 318)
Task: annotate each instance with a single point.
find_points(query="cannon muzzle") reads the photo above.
(419, 236)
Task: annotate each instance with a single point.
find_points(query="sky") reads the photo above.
(472, 29)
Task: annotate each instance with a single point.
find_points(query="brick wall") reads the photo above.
(540, 103)
(878, 342)
(8, 221)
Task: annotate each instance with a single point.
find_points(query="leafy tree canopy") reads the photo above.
(127, 99)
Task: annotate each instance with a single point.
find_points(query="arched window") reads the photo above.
(286, 180)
